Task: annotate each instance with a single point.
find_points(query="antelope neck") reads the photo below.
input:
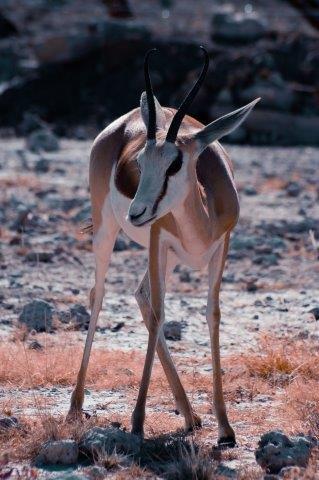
(193, 223)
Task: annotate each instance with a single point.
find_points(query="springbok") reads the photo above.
(174, 194)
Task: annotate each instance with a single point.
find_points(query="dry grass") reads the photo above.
(285, 370)
(24, 442)
(301, 402)
(281, 360)
(57, 365)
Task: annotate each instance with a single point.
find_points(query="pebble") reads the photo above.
(172, 330)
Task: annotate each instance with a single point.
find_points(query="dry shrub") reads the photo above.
(134, 472)
(278, 360)
(192, 464)
(301, 404)
(25, 441)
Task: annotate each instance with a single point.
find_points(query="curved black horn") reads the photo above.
(151, 127)
(181, 112)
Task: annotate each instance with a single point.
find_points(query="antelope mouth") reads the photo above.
(144, 222)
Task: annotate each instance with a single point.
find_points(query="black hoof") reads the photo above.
(197, 425)
(137, 432)
(226, 442)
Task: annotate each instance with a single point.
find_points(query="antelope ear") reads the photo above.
(223, 126)
(160, 115)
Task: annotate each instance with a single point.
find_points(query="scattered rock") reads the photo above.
(98, 441)
(315, 312)
(63, 452)
(78, 316)
(37, 316)
(31, 122)
(42, 165)
(172, 330)
(276, 451)
(35, 257)
(251, 286)
(84, 213)
(293, 189)
(185, 276)
(234, 28)
(250, 190)
(8, 422)
(266, 260)
(35, 345)
(120, 245)
(117, 327)
(23, 212)
(42, 140)
(243, 242)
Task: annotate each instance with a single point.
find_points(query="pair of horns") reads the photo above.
(181, 112)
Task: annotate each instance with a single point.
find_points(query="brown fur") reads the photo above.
(123, 147)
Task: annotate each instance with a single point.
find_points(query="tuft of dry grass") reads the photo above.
(281, 360)
(301, 405)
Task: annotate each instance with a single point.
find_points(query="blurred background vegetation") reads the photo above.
(78, 65)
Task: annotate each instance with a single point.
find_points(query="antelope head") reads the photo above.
(167, 164)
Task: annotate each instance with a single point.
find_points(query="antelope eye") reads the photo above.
(176, 165)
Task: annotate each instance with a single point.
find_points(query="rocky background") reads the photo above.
(78, 65)
(68, 68)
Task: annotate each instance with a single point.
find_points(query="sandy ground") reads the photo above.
(270, 282)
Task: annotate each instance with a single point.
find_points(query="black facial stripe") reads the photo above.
(176, 164)
(161, 195)
(174, 167)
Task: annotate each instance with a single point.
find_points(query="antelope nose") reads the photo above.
(135, 216)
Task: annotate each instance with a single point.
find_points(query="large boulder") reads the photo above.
(276, 94)
(70, 45)
(231, 27)
(276, 451)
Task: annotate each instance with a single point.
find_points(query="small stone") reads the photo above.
(35, 257)
(172, 330)
(315, 312)
(42, 165)
(118, 327)
(37, 315)
(251, 286)
(78, 316)
(266, 260)
(250, 190)
(293, 189)
(185, 276)
(63, 452)
(120, 245)
(35, 345)
(8, 422)
(42, 140)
